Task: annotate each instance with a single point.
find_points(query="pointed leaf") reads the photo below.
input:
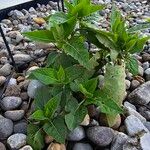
(40, 36)
(57, 129)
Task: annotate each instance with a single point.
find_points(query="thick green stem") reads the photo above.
(114, 86)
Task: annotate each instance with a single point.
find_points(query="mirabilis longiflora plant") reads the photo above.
(119, 44)
(69, 77)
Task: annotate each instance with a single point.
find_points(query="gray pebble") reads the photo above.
(5, 70)
(77, 134)
(101, 136)
(127, 105)
(118, 141)
(147, 74)
(140, 95)
(27, 147)
(2, 80)
(10, 103)
(145, 141)
(16, 141)
(2, 146)
(134, 126)
(20, 127)
(32, 88)
(14, 115)
(82, 146)
(6, 128)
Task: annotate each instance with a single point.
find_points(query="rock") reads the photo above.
(22, 58)
(10, 103)
(134, 126)
(117, 122)
(27, 147)
(82, 146)
(32, 87)
(48, 139)
(6, 128)
(86, 121)
(5, 70)
(131, 144)
(127, 105)
(12, 81)
(147, 74)
(32, 10)
(128, 83)
(18, 14)
(141, 95)
(131, 111)
(101, 136)
(145, 141)
(13, 90)
(2, 146)
(145, 65)
(147, 125)
(140, 71)
(56, 146)
(39, 21)
(77, 134)
(24, 96)
(14, 115)
(20, 127)
(16, 141)
(2, 80)
(31, 69)
(146, 57)
(20, 79)
(118, 141)
(134, 84)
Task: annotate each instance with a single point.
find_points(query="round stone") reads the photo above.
(27, 147)
(14, 115)
(20, 127)
(32, 88)
(5, 70)
(6, 128)
(101, 136)
(2, 146)
(82, 146)
(77, 134)
(2, 80)
(10, 103)
(16, 141)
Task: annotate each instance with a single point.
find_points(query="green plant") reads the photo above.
(70, 79)
(119, 44)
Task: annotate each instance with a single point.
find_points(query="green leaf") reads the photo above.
(71, 105)
(51, 106)
(42, 97)
(75, 48)
(139, 27)
(61, 74)
(57, 129)
(40, 36)
(74, 72)
(132, 65)
(74, 118)
(45, 75)
(138, 46)
(35, 137)
(57, 18)
(51, 58)
(106, 41)
(38, 116)
(88, 87)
